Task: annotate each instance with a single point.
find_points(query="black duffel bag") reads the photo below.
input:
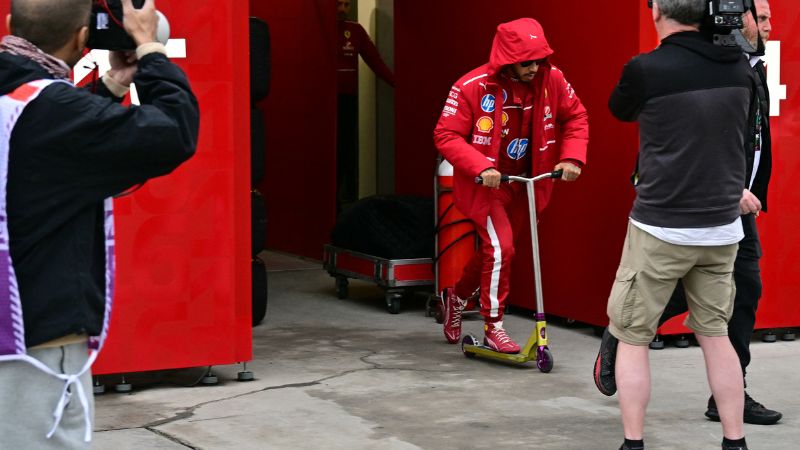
(387, 226)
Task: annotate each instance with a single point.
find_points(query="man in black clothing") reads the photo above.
(747, 273)
(693, 102)
(68, 151)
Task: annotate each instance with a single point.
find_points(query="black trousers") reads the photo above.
(347, 151)
(747, 276)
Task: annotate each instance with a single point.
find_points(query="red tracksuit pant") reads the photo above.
(490, 267)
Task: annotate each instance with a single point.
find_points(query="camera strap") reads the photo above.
(12, 328)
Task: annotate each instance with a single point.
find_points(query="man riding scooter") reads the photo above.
(502, 118)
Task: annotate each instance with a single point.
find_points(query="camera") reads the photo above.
(724, 21)
(106, 31)
(727, 14)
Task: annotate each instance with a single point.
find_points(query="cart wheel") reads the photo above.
(341, 287)
(468, 340)
(393, 302)
(123, 387)
(769, 337)
(682, 342)
(657, 344)
(98, 387)
(209, 379)
(789, 336)
(544, 360)
(245, 376)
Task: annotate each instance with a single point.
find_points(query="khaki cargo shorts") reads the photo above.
(647, 275)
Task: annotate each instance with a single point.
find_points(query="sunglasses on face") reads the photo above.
(538, 62)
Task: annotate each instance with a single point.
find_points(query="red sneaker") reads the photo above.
(453, 307)
(496, 338)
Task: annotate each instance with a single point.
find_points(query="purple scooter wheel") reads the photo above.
(544, 359)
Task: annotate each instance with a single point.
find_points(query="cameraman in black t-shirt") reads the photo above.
(694, 102)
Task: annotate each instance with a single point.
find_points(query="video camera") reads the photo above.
(107, 32)
(724, 21)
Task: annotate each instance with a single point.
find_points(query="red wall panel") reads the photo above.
(780, 239)
(184, 296)
(300, 120)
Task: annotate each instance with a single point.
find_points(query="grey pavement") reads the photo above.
(345, 374)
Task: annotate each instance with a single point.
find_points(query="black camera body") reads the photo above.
(106, 31)
(723, 18)
(723, 21)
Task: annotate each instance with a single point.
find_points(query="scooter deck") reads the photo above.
(487, 352)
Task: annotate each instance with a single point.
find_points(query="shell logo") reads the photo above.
(485, 124)
(505, 118)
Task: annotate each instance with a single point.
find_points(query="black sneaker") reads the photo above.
(754, 413)
(626, 447)
(739, 444)
(757, 414)
(604, 365)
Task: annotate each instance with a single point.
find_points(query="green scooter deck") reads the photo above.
(486, 352)
(472, 348)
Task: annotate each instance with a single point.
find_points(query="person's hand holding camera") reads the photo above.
(123, 67)
(141, 25)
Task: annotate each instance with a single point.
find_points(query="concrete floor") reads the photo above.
(345, 374)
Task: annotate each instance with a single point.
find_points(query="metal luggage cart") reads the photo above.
(395, 276)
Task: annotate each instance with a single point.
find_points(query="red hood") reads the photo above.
(517, 41)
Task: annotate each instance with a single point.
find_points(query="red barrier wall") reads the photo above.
(184, 296)
(781, 242)
(183, 241)
(581, 233)
(300, 119)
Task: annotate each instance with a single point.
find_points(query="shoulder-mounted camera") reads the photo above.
(724, 19)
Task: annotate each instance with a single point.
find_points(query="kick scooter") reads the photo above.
(536, 347)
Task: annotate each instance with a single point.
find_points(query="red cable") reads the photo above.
(104, 5)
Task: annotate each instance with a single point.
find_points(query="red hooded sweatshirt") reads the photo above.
(472, 130)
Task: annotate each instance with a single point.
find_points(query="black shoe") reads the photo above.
(738, 444)
(604, 365)
(738, 447)
(625, 447)
(754, 413)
